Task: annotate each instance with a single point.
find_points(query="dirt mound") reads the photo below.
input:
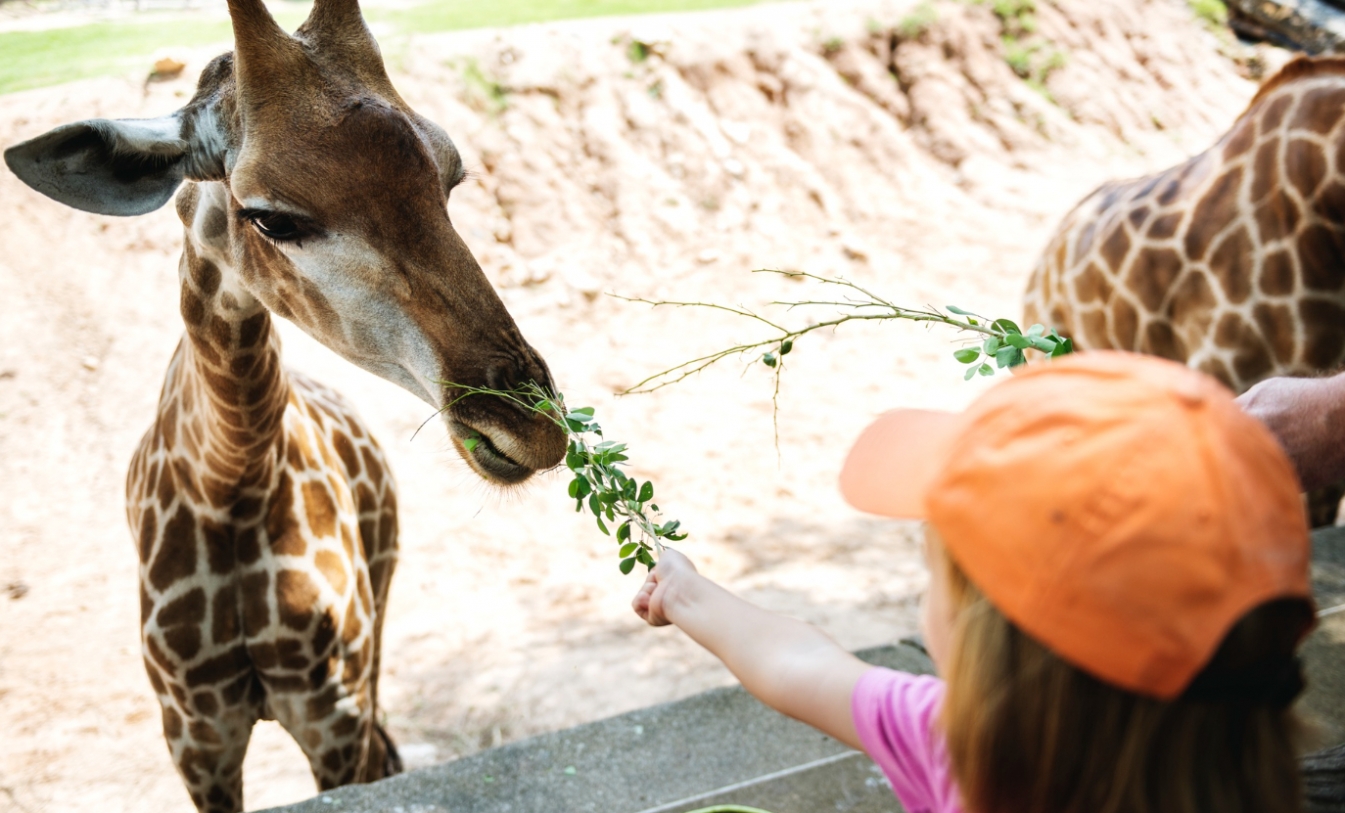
(924, 149)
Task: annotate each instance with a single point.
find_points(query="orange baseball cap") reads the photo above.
(1120, 509)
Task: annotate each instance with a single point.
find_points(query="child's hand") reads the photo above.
(673, 569)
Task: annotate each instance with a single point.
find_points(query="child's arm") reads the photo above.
(790, 666)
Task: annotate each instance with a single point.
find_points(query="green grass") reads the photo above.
(31, 59)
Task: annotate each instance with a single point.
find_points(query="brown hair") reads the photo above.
(1029, 733)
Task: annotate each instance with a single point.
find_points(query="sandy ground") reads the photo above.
(770, 137)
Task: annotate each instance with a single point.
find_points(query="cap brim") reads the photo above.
(891, 466)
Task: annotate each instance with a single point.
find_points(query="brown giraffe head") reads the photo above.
(333, 214)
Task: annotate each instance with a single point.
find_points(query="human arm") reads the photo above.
(790, 666)
(1308, 417)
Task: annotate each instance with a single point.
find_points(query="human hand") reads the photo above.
(673, 569)
(1304, 415)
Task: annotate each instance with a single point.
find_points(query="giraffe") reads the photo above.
(1232, 261)
(263, 511)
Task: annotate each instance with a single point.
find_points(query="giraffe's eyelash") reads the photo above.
(279, 228)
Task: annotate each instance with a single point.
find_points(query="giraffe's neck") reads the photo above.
(225, 390)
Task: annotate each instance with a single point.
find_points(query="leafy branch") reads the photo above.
(599, 482)
(998, 340)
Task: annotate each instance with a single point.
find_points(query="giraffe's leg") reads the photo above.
(1324, 505)
(208, 741)
(335, 729)
(332, 717)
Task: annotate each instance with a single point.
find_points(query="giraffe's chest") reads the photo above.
(277, 581)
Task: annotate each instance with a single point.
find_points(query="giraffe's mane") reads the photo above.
(1301, 67)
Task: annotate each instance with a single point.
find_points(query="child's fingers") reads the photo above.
(645, 606)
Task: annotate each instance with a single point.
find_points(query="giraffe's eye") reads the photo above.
(278, 226)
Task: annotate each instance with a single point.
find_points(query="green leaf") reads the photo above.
(623, 532)
(1036, 330)
(627, 565)
(985, 369)
(645, 558)
(1044, 344)
(971, 371)
(574, 487)
(470, 444)
(1006, 355)
(583, 411)
(1065, 347)
(575, 461)
(958, 311)
(603, 528)
(594, 504)
(676, 537)
(647, 492)
(769, 360)
(1006, 325)
(991, 346)
(627, 549)
(574, 426)
(1018, 340)
(786, 346)
(967, 355)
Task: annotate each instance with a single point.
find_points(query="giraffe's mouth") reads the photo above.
(480, 447)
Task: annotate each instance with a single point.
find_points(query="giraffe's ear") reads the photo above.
(123, 167)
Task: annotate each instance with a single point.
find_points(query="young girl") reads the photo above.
(1119, 581)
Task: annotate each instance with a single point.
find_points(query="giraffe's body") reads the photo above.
(266, 522)
(263, 511)
(1233, 261)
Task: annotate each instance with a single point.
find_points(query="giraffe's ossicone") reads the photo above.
(1232, 261)
(262, 509)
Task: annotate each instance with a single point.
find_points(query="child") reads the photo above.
(1119, 580)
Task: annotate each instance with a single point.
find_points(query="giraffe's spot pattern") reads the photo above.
(184, 641)
(1322, 253)
(1115, 247)
(1214, 211)
(1324, 329)
(175, 558)
(218, 668)
(1330, 202)
(1318, 110)
(1231, 265)
(1193, 301)
(1152, 274)
(1161, 341)
(296, 594)
(1277, 218)
(1125, 323)
(1305, 166)
(332, 569)
(1265, 170)
(225, 623)
(189, 608)
(1277, 274)
(1165, 226)
(1273, 114)
(172, 723)
(1240, 140)
(320, 508)
(254, 589)
(1278, 326)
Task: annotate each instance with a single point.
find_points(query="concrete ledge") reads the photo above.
(724, 747)
(718, 747)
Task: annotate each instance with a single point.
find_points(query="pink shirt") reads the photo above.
(895, 716)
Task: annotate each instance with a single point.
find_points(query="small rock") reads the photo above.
(90, 363)
(707, 256)
(5, 374)
(166, 69)
(16, 589)
(734, 167)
